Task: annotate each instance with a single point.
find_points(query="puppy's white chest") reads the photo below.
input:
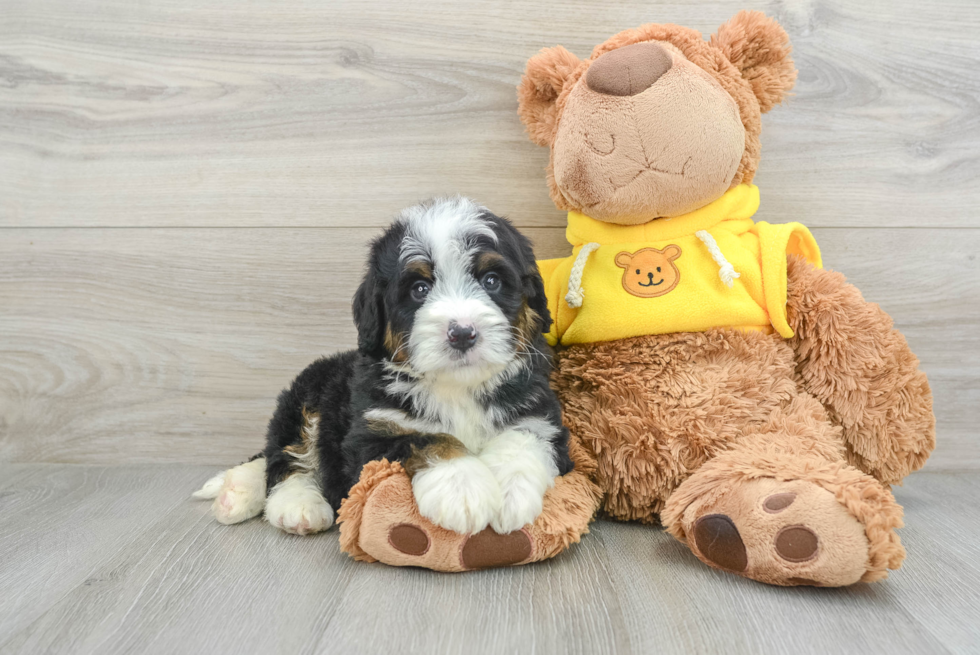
(471, 426)
(460, 415)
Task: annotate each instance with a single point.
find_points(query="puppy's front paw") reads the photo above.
(458, 494)
(524, 468)
(523, 499)
(296, 506)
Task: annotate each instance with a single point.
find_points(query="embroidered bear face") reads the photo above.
(650, 272)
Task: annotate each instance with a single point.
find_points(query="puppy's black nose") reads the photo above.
(461, 337)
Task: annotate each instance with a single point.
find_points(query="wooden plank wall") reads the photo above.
(187, 188)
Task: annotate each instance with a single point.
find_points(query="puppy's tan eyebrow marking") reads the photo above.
(487, 260)
(419, 267)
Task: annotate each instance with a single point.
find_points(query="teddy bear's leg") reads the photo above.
(379, 521)
(783, 507)
(851, 359)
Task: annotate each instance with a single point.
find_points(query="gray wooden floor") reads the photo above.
(119, 559)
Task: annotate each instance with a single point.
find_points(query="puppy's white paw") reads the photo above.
(458, 494)
(242, 494)
(523, 499)
(523, 465)
(211, 488)
(297, 506)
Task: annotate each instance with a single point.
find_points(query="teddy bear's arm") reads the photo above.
(851, 359)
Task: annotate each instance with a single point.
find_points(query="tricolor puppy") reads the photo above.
(450, 378)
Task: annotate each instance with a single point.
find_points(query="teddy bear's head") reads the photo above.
(657, 122)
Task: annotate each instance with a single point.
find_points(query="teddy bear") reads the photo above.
(714, 377)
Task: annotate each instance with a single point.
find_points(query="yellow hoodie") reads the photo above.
(714, 267)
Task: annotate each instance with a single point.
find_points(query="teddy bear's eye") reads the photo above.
(658, 269)
(637, 271)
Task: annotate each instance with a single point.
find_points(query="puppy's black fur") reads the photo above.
(339, 389)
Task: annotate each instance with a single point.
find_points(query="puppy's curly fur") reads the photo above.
(450, 379)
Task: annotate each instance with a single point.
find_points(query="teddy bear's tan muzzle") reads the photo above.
(628, 71)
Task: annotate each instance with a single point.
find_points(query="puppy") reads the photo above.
(450, 378)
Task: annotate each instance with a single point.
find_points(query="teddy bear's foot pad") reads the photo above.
(487, 549)
(796, 543)
(482, 550)
(409, 539)
(718, 540)
(379, 521)
(781, 532)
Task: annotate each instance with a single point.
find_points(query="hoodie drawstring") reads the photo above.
(575, 292)
(726, 271)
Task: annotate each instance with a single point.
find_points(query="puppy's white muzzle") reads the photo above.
(450, 332)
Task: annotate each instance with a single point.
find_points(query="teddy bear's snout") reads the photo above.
(628, 71)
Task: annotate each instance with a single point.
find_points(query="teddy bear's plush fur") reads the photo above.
(769, 456)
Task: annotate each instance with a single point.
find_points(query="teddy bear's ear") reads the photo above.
(759, 47)
(540, 87)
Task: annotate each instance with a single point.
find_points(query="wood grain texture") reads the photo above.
(170, 345)
(60, 522)
(176, 581)
(287, 113)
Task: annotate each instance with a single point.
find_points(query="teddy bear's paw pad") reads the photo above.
(776, 503)
(797, 543)
(783, 532)
(409, 539)
(718, 540)
(487, 549)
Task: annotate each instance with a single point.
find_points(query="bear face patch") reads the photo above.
(650, 272)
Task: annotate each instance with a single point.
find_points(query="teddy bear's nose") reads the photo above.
(628, 71)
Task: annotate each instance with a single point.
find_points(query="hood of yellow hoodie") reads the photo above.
(739, 203)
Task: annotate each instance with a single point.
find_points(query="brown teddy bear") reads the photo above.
(714, 376)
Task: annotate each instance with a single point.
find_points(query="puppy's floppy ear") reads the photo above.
(536, 298)
(369, 312)
(533, 284)
(759, 47)
(543, 81)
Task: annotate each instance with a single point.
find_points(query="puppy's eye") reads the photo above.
(491, 282)
(420, 290)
